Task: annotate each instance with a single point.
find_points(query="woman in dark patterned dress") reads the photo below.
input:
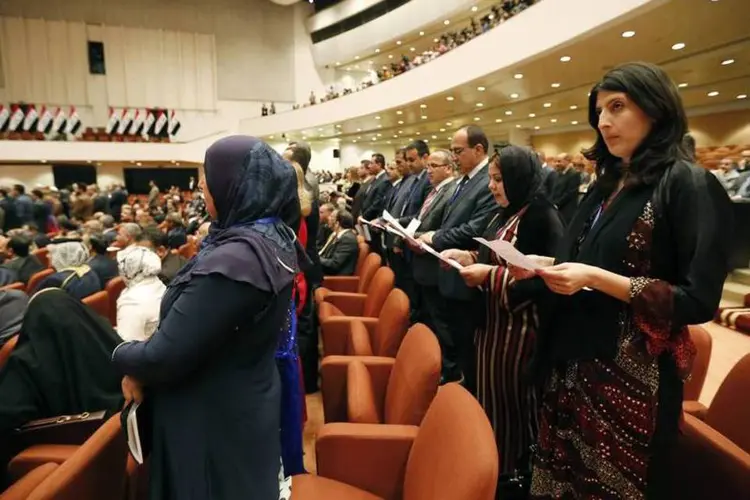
(505, 343)
(644, 257)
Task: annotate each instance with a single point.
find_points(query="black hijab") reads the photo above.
(61, 364)
(522, 177)
(255, 194)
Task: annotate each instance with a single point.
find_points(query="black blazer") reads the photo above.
(376, 194)
(340, 258)
(418, 194)
(464, 219)
(359, 199)
(565, 193)
(426, 266)
(396, 203)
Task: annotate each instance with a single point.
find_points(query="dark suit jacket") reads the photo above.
(464, 219)
(398, 199)
(565, 194)
(359, 199)
(340, 258)
(323, 233)
(376, 194)
(25, 267)
(170, 266)
(426, 266)
(418, 194)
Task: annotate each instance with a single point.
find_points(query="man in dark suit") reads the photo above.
(403, 182)
(339, 255)
(324, 231)
(469, 210)
(425, 267)
(365, 179)
(565, 192)
(20, 260)
(415, 156)
(375, 197)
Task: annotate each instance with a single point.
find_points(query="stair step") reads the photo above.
(740, 276)
(735, 292)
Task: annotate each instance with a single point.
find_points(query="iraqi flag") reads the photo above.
(148, 122)
(58, 124)
(174, 123)
(161, 122)
(125, 121)
(16, 117)
(4, 117)
(74, 121)
(137, 126)
(44, 125)
(114, 120)
(29, 121)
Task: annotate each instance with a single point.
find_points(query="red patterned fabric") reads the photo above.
(299, 279)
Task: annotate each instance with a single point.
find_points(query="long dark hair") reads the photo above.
(653, 91)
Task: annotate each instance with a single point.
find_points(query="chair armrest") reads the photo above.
(358, 342)
(367, 456)
(360, 400)
(341, 283)
(333, 383)
(22, 489)
(708, 465)
(696, 409)
(335, 332)
(351, 304)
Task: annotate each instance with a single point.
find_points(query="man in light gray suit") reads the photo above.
(469, 210)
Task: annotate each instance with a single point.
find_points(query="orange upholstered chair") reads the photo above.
(37, 278)
(7, 349)
(366, 304)
(703, 343)
(451, 456)
(24, 487)
(99, 302)
(401, 398)
(114, 288)
(188, 250)
(14, 286)
(43, 255)
(355, 284)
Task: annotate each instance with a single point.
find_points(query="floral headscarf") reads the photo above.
(67, 255)
(137, 263)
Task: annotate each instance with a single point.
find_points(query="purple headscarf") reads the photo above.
(255, 191)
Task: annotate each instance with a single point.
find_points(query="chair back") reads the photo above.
(14, 286)
(114, 288)
(729, 412)
(95, 470)
(364, 249)
(36, 278)
(380, 286)
(99, 302)
(369, 268)
(414, 378)
(703, 343)
(43, 255)
(7, 349)
(187, 250)
(393, 322)
(455, 453)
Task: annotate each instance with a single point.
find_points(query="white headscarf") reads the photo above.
(138, 263)
(70, 254)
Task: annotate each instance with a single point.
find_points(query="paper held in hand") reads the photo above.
(134, 439)
(510, 254)
(409, 236)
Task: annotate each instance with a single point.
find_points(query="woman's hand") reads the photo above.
(567, 278)
(475, 274)
(131, 390)
(463, 257)
(519, 273)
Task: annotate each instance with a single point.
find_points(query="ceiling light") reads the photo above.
(387, 142)
(400, 131)
(377, 118)
(355, 142)
(481, 89)
(139, 164)
(424, 117)
(421, 33)
(449, 98)
(498, 120)
(356, 57)
(565, 59)
(742, 96)
(547, 104)
(399, 112)
(532, 115)
(555, 85)
(412, 49)
(479, 104)
(678, 46)
(509, 112)
(727, 62)
(514, 96)
(390, 56)
(447, 22)
(434, 137)
(423, 106)
(628, 34)
(395, 136)
(574, 107)
(377, 51)
(518, 126)
(683, 85)
(574, 122)
(338, 63)
(476, 118)
(426, 140)
(401, 122)
(713, 93)
(380, 135)
(442, 130)
(270, 137)
(359, 137)
(448, 124)
(553, 120)
(359, 130)
(338, 126)
(398, 42)
(518, 76)
(537, 127)
(436, 40)
(380, 126)
(474, 9)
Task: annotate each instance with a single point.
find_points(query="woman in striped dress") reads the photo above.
(505, 343)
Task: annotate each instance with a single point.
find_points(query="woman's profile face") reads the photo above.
(622, 123)
(210, 206)
(497, 187)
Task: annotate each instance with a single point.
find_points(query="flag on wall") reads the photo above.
(29, 121)
(74, 122)
(44, 125)
(137, 126)
(148, 122)
(174, 123)
(114, 120)
(4, 118)
(161, 122)
(16, 117)
(58, 125)
(125, 121)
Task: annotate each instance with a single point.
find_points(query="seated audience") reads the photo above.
(13, 305)
(101, 263)
(338, 257)
(128, 234)
(72, 274)
(20, 260)
(324, 230)
(171, 262)
(139, 304)
(176, 235)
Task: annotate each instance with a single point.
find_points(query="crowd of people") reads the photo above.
(577, 361)
(498, 14)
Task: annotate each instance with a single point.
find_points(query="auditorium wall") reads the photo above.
(349, 154)
(716, 129)
(28, 175)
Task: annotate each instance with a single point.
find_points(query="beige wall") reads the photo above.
(719, 129)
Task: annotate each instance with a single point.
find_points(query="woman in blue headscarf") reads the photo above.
(209, 369)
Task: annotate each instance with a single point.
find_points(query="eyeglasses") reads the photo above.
(457, 151)
(437, 165)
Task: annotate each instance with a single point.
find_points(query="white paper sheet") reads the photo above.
(134, 439)
(427, 248)
(413, 226)
(510, 254)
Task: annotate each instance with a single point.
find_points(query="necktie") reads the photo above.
(461, 184)
(427, 202)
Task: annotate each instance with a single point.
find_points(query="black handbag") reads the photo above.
(63, 429)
